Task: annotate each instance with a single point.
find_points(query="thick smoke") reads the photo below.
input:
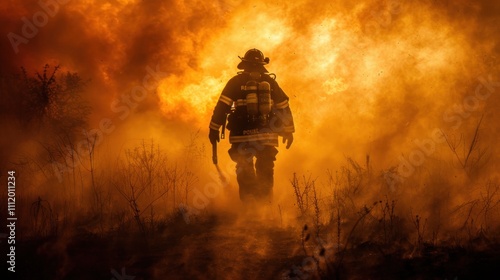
(364, 78)
(378, 82)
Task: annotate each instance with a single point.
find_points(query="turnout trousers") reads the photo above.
(254, 180)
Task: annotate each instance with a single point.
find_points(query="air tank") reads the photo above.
(264, 101)
(252, 99)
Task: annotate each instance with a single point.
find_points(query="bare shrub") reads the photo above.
(44, 221)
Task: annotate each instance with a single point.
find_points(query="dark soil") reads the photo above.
(224, 247)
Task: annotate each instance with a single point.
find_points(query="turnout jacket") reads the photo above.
(232, 101)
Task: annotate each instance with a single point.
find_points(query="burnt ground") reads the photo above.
(225, 247)
(368, 262)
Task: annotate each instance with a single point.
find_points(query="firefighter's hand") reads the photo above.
(213, 136)
(288, 139)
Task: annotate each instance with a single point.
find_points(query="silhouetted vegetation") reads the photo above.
(47, 100)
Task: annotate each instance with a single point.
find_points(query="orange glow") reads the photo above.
(390, 89)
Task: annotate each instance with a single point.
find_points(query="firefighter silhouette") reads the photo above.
(257, 112)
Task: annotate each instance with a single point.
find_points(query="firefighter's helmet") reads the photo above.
(253, 57)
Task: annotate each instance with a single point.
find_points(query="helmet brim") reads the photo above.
(245, 65)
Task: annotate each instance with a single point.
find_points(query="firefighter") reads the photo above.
(257, 113)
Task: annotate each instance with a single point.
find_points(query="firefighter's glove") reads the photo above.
(288, 139)
(213, 136)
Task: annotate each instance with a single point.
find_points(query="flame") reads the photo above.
(191, 100)
(354, 58)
